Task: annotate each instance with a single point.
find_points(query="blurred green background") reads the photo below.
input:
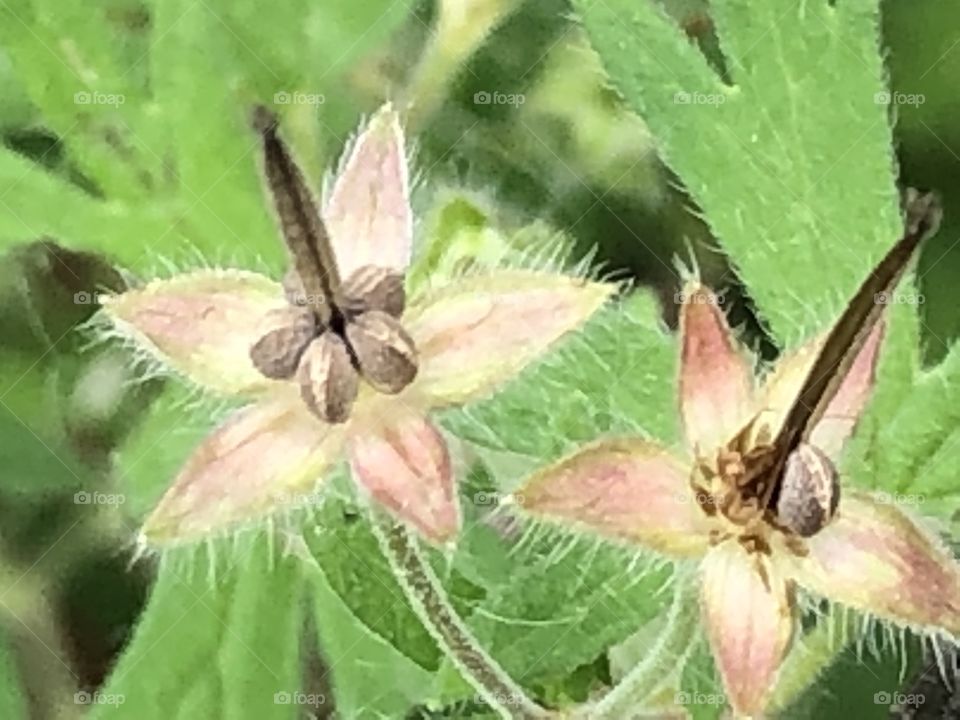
(125, 152)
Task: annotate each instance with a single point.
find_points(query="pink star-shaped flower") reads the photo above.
(327, 391)
(870, 556)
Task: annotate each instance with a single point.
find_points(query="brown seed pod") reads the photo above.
(328, 380)
(277, 354)
(810, 491)
(374, 288)
(385, 353)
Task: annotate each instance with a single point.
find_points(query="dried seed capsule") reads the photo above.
(374, 288)
(277, 354)
(386, 354)
(328, 380)
(809, 493)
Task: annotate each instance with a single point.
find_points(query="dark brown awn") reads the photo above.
(811, 492)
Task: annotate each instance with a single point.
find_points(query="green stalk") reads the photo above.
(430, 602)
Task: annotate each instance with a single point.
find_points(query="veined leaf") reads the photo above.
(789, 159)
(215, 647)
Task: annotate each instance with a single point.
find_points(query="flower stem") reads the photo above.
(430, 602)
(647, 677)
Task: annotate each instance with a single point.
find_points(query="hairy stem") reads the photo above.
(430, 602)
(650, 674)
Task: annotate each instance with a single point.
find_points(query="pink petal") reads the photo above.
(483, 330)
(203, 324)
(265, 458)
(749, 621)
(716, 380)
(876, 558)
(368, 212)
(843, 412)
(624, 489)
(402, 461)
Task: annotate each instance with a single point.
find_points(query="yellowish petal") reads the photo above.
(368, 212)
(624, 489)
(748, 613)
(483, 330)
(402, 461)
(874, 557)
(265, 458)
(716, 380)
(203, 324)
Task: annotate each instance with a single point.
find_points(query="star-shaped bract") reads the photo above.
(870, 556)
(467, 338)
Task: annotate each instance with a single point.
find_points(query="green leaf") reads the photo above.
(567, 602)
(616, 376)
(789, 158)
(157, 120)
(919, 446)
(860, 683)
(215, 647)
(356, 655)
(35, 203)
(89, 91)
(349, 556)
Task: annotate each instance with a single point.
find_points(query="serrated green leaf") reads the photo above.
(220, 647)
(792, 161)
